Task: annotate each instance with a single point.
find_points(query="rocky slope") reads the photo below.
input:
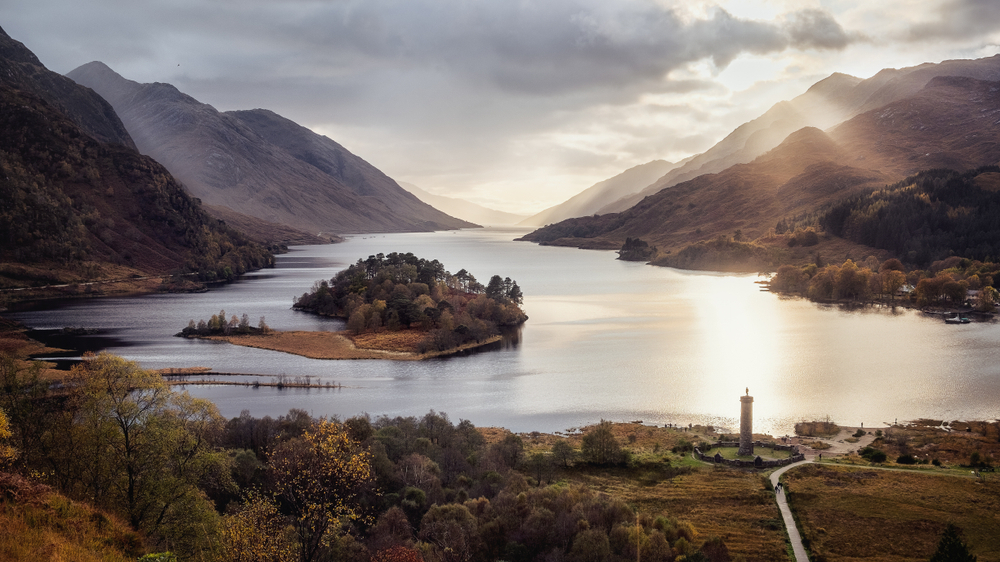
(260, 164)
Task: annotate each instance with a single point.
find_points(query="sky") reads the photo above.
(513, 104)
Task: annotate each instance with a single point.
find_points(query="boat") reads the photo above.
(956, 319)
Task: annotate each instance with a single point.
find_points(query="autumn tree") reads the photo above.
(988, 298)
(149, 448)
(320, 478)
(601, 447)
(255, 532)
(7, 452)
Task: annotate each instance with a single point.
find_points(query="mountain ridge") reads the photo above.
(592, 199)
(259, 163)
(950, 122)
(839, 97)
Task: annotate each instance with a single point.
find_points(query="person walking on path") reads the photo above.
(798, 548)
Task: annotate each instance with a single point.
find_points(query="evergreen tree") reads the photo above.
(951, 548)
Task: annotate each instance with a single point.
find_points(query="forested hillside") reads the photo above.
(76, 203)
(80, 204)
(926, 217)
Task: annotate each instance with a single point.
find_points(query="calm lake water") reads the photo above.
(605, 339)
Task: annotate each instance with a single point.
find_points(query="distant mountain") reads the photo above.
(595, 197)
(828, 102)
(21, 69)
(948, 123)
(261, 164)
(77, 208)
(463, 209)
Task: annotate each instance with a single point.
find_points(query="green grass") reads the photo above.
(766, 454)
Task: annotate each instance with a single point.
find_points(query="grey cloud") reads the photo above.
(960, 19)
(816, 29)
(535, 48)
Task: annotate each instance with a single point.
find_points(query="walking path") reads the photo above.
(786, 513)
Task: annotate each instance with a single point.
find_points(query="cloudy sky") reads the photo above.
(514, 104)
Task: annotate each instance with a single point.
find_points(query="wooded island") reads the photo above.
(401, 292)
(397, 306)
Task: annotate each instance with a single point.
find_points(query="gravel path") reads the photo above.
(786, 513)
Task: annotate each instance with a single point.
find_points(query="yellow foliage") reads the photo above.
(7, 453)
(255, 533)
(320, 477)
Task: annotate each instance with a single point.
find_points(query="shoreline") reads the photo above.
(335, 346)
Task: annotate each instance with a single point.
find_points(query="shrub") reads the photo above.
(872, 454)
(906, 459)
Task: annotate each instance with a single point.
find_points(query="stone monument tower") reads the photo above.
(746, 424)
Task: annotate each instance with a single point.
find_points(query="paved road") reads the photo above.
(786, 513)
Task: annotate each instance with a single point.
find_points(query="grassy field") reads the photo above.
(731, 504)
(866, 514)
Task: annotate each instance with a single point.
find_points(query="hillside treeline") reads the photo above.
(69, 200)
(300, 488)
(401, 291)
(926, 217)
(945, 283)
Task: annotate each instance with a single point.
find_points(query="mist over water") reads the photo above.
(605, 339)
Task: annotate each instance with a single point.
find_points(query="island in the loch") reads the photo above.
(397, 306)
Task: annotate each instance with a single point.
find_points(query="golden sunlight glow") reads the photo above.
(737, 332)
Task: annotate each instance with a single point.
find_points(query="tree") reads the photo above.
(147, 449)
(601, 447)
(453, 530)
(495, 288)
(255, 532)
(563, 452)
(515, 294)
(988, 297)
(891, 280)
(320, 477)
(7, 453)
(951, 548)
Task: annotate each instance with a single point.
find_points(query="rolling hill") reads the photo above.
(261, 164)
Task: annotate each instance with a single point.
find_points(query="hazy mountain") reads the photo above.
(949, 123)
(260, 164)
(463, 209)
(590, 200)
(78, 208)
(21, 69)
(828, 102)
